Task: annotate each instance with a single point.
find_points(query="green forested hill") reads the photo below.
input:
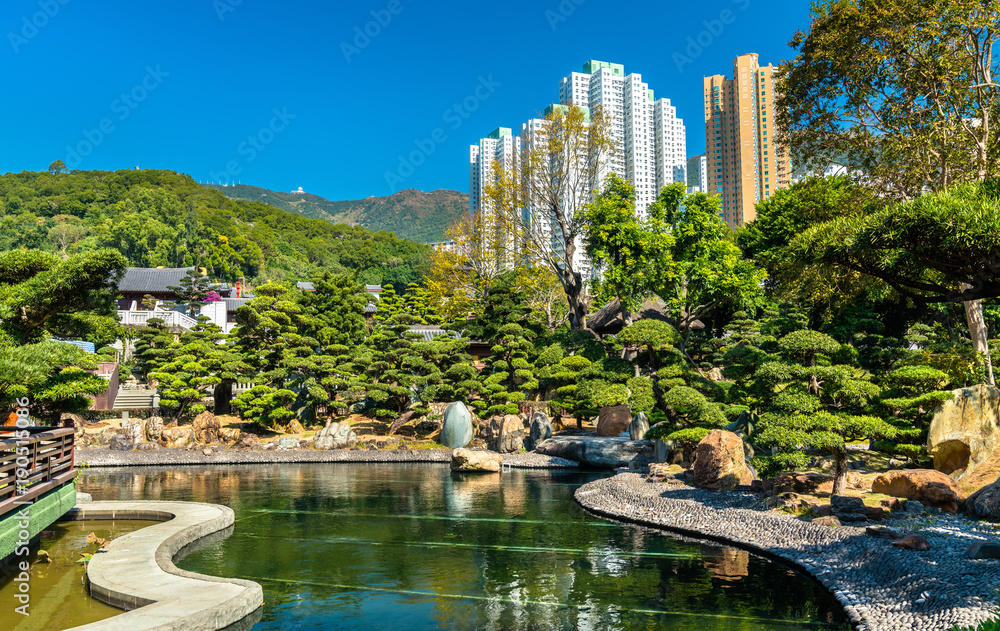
(409, 214)
(163, 218)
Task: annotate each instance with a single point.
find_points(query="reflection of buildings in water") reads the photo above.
(727, 564)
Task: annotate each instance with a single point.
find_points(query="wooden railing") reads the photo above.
(46, 458)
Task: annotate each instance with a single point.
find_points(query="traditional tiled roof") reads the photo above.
(305, 286)
(150, 280)
(371, 308)
(430, 332)
(373, 288)
(232, 304)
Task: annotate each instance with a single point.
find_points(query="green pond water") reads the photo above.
(414, 546)
(57, 591)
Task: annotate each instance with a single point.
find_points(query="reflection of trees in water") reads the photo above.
(346, 529)
(727, 564)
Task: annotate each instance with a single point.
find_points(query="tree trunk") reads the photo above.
(977, 331)
(840, 476)
(223, 397)
(577, 306)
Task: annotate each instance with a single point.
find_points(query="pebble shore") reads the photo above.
(882, 588)
(104, 457)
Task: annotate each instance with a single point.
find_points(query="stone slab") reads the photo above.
(600, 452)
(137, 573)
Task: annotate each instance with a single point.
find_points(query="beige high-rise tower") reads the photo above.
(744, 164)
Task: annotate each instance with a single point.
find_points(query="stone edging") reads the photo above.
(137, 573)
(878, 589)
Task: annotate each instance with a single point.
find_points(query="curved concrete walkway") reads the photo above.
(137, 573)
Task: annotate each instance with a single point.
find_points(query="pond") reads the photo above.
(58, 590)
(415, 546)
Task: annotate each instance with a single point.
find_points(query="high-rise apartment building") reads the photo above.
(650, 144)
(649, 141)
(744, 164)
(697, 174)
(499, 146)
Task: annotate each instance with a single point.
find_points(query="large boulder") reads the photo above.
(206, 428)
(335, 436)
(177, 436)
(540, 430)
(456, 428)
(295, 427)
(505, 434)
(965, 432)
(476, 461)
(985, 502)
(639, 426)
(807, 483)
(598, 452)
(613, 420)
(719, 463)
(133, 431)
(119, 442)
(927, 486)
(154, 428)
(248, 441)
(230, 435)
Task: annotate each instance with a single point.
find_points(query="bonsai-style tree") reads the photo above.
(393, 369)
(192, 292)
(913, 394)
(272, 338)
(186, 369)
(509, 374)
(812, 402)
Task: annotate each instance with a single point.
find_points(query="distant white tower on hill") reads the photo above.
(299, 192)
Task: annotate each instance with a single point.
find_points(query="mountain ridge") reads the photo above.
(409, 214)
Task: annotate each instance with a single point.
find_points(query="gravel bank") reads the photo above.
(882, 588)
(104, 457)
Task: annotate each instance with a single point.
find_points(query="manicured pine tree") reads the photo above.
(813, 402)
(913, 394)
(393, 369)
(192, 292)
(187, 368)
(271, 336)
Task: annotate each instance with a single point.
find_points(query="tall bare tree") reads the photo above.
(563, 159)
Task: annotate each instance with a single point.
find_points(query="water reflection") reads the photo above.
(396, 546)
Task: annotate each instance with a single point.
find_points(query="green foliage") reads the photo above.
(689, 436)
(629, 254)
(155, 218)
(914, 393)
(192, 292)
(52, 375)
(686, 406)
(186, 369)
(409, 214)
(651, 336)
(266, 406)
(991, 625)
(43, 297)
(509, 376)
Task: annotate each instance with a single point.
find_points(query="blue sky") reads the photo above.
(330, 96)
